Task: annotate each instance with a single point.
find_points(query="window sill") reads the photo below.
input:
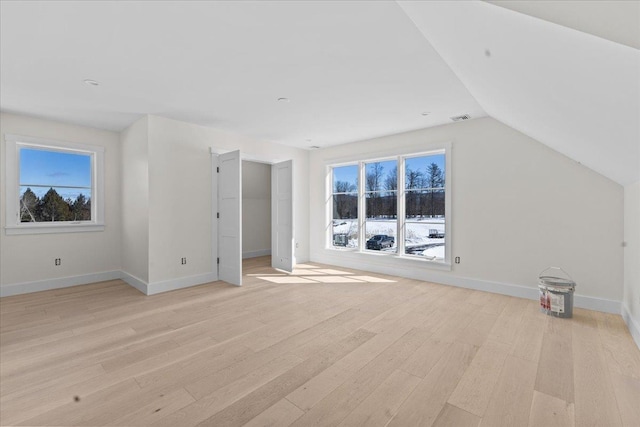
(409, 259)
(52, 229)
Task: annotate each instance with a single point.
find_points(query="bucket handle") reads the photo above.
(556, 268)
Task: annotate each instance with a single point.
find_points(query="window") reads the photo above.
(53, 186)
(345, 206)
(381, 195)
(400, 204)
(424, 232)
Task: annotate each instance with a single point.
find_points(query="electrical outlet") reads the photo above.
(457, 260)
(183, 261)
(57, 261)
(297, 245)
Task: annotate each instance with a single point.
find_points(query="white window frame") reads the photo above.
(442, 148)
(13, 226)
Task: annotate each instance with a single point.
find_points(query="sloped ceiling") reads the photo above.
(564, 73)
(573, 91)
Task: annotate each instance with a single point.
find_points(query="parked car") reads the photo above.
(436, 234)
(380, 241)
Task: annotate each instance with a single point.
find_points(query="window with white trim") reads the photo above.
(53, 186)
(344, 206)
(400, 204)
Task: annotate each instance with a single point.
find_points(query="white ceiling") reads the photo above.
(352, 70)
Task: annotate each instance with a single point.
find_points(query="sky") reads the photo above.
(350, 173)
(55, 169)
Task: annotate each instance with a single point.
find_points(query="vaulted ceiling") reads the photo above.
(562, 74)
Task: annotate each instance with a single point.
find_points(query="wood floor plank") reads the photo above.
(317, 388)
(595, 401)
(336, 406)
(425, 403)
(528, 344)
(451, 416)
(155, 410)
(225, 396)
(282, 414)
(383, 403)
(555, 367)
(510, 403)
(474, 390)
(549, 411)
(264, 397)
(627, 391)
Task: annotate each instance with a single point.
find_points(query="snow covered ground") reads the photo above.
(417, 240)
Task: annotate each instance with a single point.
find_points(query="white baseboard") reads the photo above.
(182, 282)
(139, 284)
(255, 254)
(632, 324)
(580, 301)
(134, 282)
(62, 282)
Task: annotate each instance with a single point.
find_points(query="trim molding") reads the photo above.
(139, 284)
(580, 301)
(632, 324)
(179, 283)
(61, 282)
(134, 282)
(255, 254)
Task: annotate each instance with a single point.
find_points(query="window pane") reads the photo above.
(41, 204)
(381, 176)
(54, 186)
(421, 204)
(53, 168)
(345, 179)
(381, 223)
(345, 220)
(425, 238)
(425, 223)
(380, 234)
(425, 172)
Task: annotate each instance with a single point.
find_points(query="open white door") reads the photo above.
(230, 221)
(214, 221)
(282, 216)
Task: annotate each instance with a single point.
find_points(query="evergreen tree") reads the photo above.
(53, 207)
(28, 204)
(81, 208)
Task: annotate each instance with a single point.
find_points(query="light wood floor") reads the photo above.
(330, 347)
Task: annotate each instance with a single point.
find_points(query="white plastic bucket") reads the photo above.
(556, 293)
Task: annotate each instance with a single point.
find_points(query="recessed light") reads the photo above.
(426, 113)
(314, 147)
(283, 99)
(487, 53)
(92, 82)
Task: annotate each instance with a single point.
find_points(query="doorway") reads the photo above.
(262, 217)
(256, 209)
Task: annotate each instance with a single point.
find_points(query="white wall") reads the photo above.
(256, 209)
(631, 300)
(517, 208)
(180, 194)
(135, 199)
(27, 261)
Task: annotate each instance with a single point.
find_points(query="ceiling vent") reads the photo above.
(461, 118)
